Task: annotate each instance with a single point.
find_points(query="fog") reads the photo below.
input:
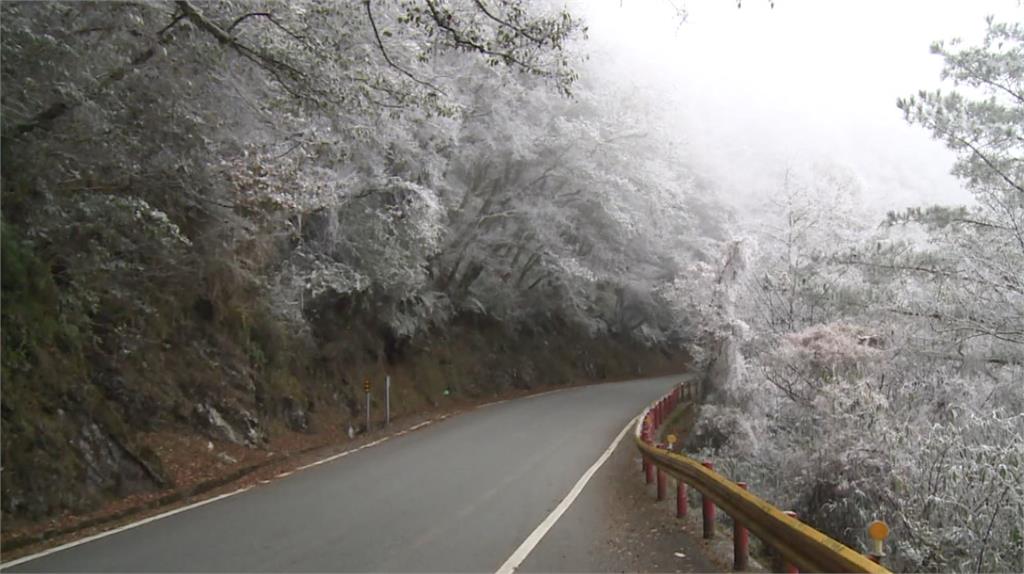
(755, 89)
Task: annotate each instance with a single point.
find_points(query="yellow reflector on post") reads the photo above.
(878, 530)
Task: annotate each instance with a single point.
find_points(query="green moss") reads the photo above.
(29, 309)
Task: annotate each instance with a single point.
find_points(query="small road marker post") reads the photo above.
(366, 389)
(387, 400)
(878, 531)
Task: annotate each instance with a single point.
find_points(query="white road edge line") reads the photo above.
(79, 542)
(551, 392)
(341, 454)
(154, 518)
(531, 542)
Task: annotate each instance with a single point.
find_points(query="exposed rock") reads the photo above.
(109, 466)
(295, 416)
(254, 435)
(226, 458)
(246, 430)
(214, 423)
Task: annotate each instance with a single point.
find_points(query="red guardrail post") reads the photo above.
(650, 472)
(681, 502)
(787, 567)
(708, 508)
(645, 435)
(662, 480)
(740, 541)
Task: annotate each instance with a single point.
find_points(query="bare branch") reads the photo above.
(505, 23)
(466, 44)
(387, 58)
(269, 17)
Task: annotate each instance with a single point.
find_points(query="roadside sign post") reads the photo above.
(387, 400)
(366, 389)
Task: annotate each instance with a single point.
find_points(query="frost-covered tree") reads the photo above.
(881, 373)
(795, 280)
(981, 250)
(562, 210)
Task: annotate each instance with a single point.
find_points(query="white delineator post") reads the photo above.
(387, 400)
(366, 389)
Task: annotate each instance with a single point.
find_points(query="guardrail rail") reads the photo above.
(800, 547)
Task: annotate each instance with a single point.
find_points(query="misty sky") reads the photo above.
(757, 88)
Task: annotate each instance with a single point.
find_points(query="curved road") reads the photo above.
(457, 496)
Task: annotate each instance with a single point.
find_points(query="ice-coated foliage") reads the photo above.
(426, 156)
(884, 367)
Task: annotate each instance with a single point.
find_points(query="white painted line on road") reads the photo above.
(531, 542)
(24, 559)
(551, 392)
(367, 445)
(342, 454)
(111, 532)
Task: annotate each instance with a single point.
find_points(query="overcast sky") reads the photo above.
(757, 88)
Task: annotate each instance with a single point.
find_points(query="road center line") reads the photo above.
(531, 542)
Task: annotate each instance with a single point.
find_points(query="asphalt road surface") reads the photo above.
(457, 496)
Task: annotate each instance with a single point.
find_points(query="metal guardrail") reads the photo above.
(799, 545)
